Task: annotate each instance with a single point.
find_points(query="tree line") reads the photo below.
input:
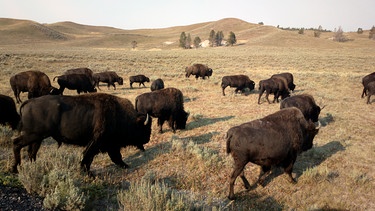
(215, 39)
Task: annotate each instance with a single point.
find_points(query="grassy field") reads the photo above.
(337, 173)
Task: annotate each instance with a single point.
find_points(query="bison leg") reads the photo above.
(172, 124)
(267, 94)
(160, 123)
(19, 143)
(223, 91)
(33, 150)
(260, 95)
(88, 156)
(364, 92)
(131, 85)
(116, 158)
(288, 168)
(237, 170)
(263, 174)
(368, 99)
(244, 180)
(17, 95)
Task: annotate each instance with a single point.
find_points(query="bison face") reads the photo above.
(209, 72)
(315, 114)
(311, 132)
(181, 120)
(251, 85)
(54, 91)
(120, 81)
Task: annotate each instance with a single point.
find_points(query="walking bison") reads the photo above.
(99, 122)
(199, 70)
(365, 80)
(274, 140)
(164, 104)
(36, 83)
(276, 86)
(141, 79)
(370, 90)
(109, 77)
(79, 82)
(239, 81)
(289, 79)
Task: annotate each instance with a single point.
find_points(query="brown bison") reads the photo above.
(239, 81)
(100, 122)
(36, 83)
(79, 82)
(274, 140)
(109, 77)
(164, 104)
(276, 86)
(289, 79)
(305, 103)
(157, 84)
(8, 112)
(365, 80)
(139, 79)
(81, 70)
(370, 90)
(199, 70)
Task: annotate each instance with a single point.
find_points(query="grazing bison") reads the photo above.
(289, 79)
(370, 90)
(81, 70)
(139, 79)
(164, 104)
(239, 81)
(274, 140)
(199, 70)
(109, 77)
(36, 83)
(79, 82)
(275, 86)
(100, 122)
(305, 103)
(365, 80)
(157, 84)
(8, 112)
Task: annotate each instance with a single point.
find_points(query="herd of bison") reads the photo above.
(106, 123)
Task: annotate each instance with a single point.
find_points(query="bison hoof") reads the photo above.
(14, 170)
(231, 197)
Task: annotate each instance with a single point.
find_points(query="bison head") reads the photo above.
(311, 132)
(120, 81)
(181, 120)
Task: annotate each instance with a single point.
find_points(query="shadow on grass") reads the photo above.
(201, 139)
(200, 122)
(245, 200)
(309, 159)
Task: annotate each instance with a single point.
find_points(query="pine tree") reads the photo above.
(232, 39)
(197, 41)
(219, 38)
(183, 40)
(211, 38)
(372, 33)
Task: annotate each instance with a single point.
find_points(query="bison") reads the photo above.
(139, 79)
(164, 104)
(273, 85)
(157, 84)
(199, 70)
(274, 140)
(100, 122)
(109, 77)
(79, 82)
(305, 103)
(8, 112)
(36, 83)
(370, 90)
(289, 79)
(365, 80)
(239, 81)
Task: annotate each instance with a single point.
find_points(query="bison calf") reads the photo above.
(239, 81)
(139, 79)
(274, 140)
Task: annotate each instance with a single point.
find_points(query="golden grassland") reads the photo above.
(337, 173)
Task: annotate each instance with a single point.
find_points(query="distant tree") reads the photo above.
(219, 38)
(183, 40)
(372, 33)
(360, 31)
(134, 44)
(232, 39)
(318, 31)
(211, 38)
(301, 31)
(197, 41)
(339, 35)
(261, 23)
(188, 42)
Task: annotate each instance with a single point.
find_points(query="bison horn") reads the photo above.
(319, 125)
(147, 119)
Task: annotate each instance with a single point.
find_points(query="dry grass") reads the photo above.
(338, 173)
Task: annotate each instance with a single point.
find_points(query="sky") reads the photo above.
(150, 14)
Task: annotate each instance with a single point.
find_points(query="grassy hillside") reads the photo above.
(336, 174)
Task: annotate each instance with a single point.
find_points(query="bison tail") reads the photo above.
(228, 143)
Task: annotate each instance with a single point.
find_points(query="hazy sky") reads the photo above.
(141, 14)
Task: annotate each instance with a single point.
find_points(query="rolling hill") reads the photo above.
(26, 32)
